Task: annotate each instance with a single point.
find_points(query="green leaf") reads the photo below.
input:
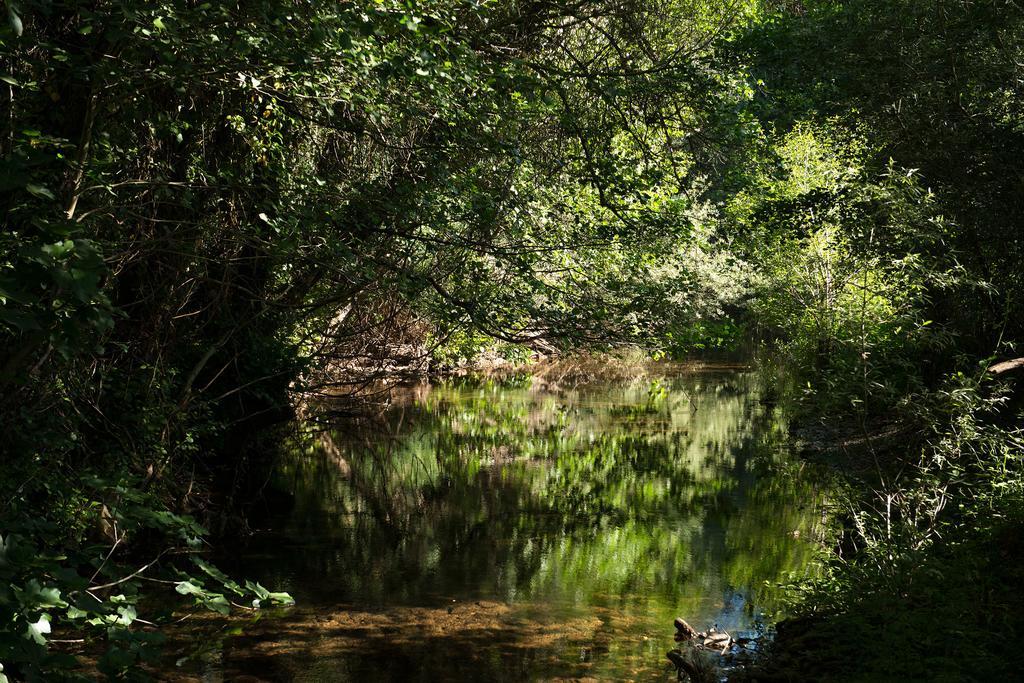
(15, 21)
(34, 596)
(126, 615)
(59, 249)
(261, 592)
(37, 630)
(116, 660)
(282, 598)
(40, 191)
(218, 575)
(218, 603)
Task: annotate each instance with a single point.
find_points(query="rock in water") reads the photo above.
(684, 629)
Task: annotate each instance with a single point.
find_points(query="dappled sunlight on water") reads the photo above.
(504, 532)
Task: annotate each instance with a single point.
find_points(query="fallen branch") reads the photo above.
(1007, 366)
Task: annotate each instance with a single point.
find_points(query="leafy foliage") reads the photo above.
(874, 195)
(213, 210)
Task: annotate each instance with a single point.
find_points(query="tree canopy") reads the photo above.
(216, 210)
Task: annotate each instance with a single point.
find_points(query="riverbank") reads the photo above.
(923, 581)
(952, 614)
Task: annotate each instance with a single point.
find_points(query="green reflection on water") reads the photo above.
(617, 506)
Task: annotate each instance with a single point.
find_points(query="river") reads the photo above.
(519, 530)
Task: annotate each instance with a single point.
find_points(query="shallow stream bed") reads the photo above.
(492, 531)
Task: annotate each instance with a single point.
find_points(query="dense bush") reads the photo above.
(877, 194)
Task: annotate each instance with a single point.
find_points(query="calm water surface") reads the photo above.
(494, 531)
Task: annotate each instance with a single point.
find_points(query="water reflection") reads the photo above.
(511, 532)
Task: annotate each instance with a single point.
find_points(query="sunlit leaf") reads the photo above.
(39, 629)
